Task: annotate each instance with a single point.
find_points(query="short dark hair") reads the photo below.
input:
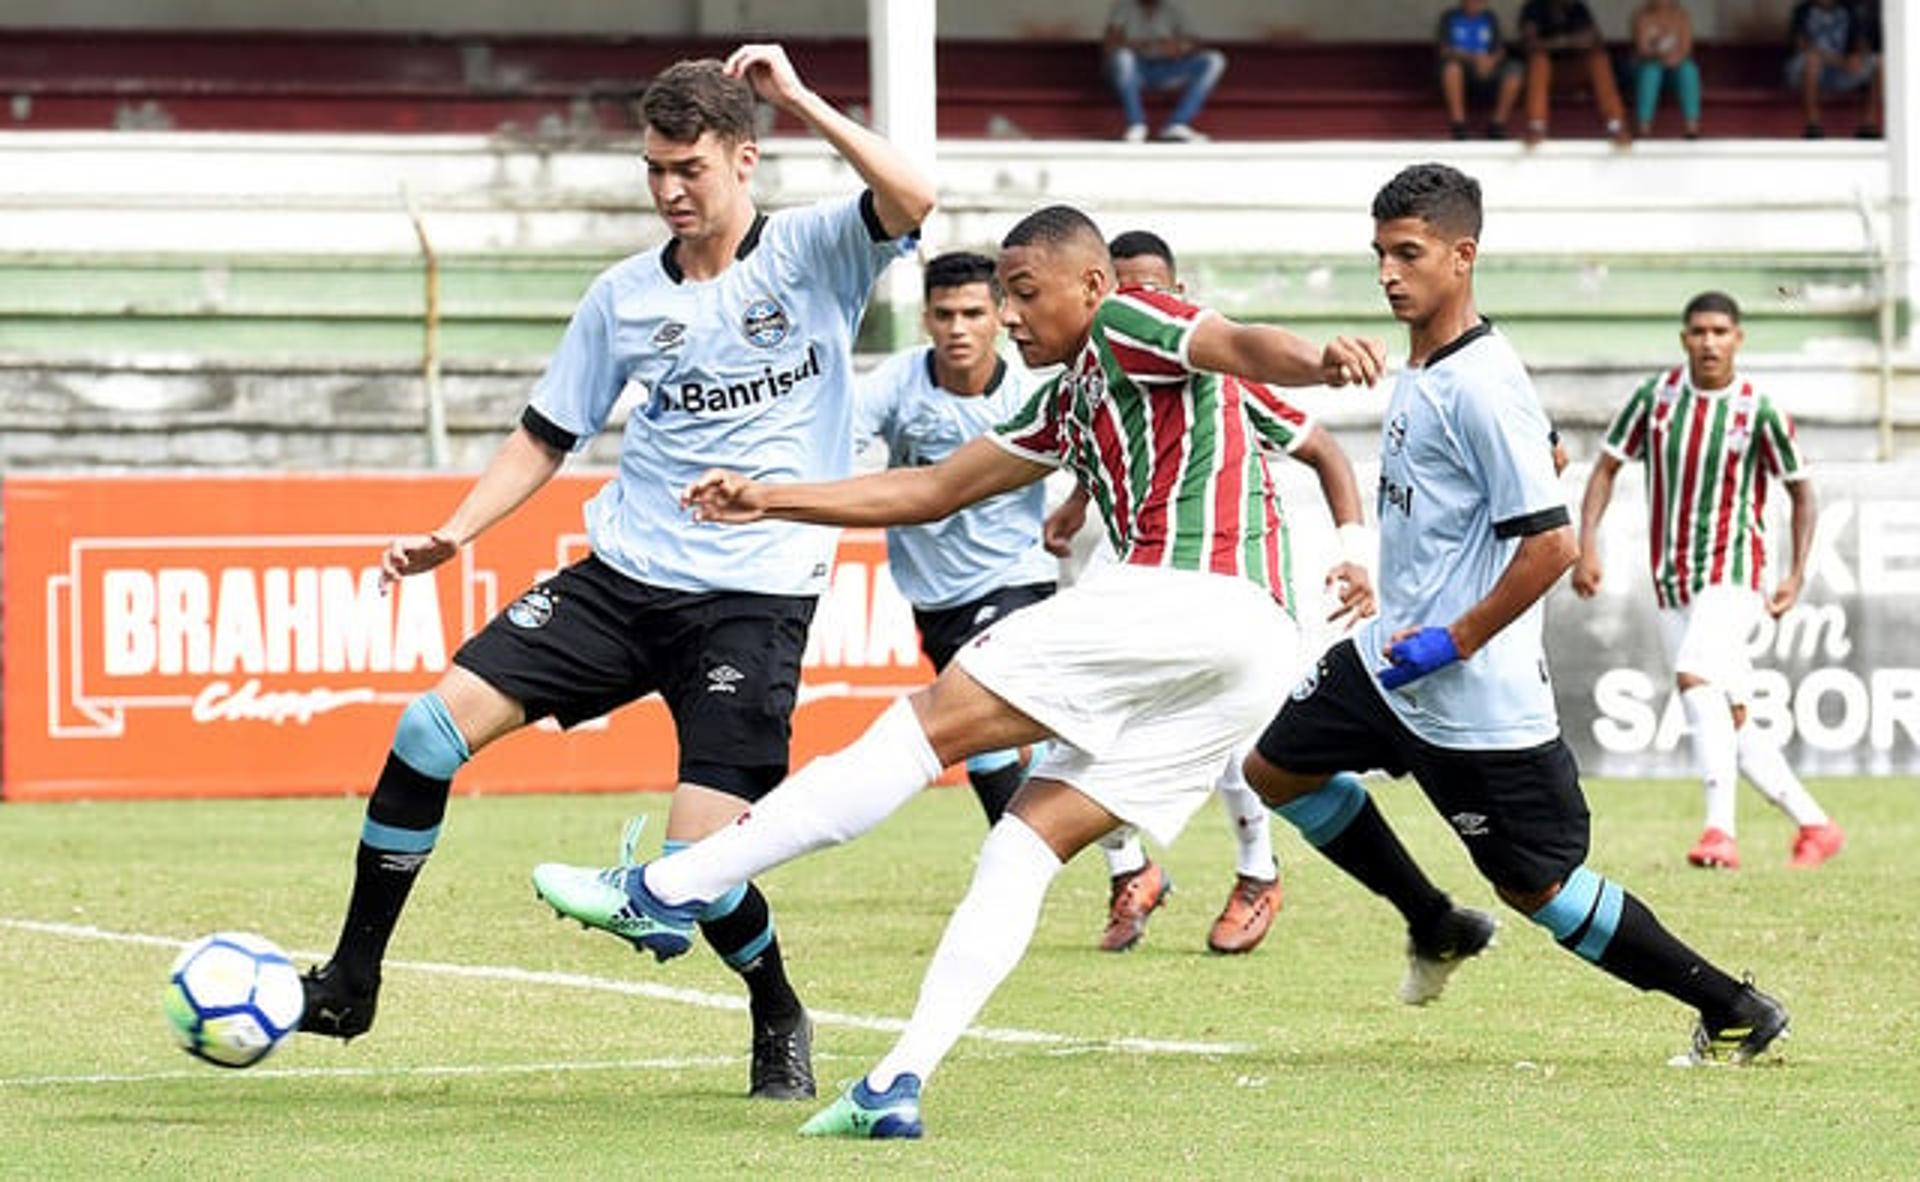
(1055, 225)
(695, 96)
(958, 268)
(1135, 243)
(1711, 301)
(1442, 196)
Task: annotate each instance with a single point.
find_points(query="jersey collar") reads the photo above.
(993, 383)
(670, 253)
(1484, 328)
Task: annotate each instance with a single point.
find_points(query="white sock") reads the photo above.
(1767, 770)
(1252, 824)
(835, 798)
(1123, 851)
(985, 939)
(1710, 730)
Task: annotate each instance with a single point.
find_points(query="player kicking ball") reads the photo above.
(1147, 675)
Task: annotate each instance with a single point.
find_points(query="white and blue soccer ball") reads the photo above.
(232, 997)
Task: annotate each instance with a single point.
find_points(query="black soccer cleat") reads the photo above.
(1461, 934)
(783, 1061)
(333, 1007)
(1754, 1023)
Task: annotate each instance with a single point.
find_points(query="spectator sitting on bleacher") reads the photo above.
(1474, 62)
(1552, 29)
(1663, 48)
(1833, 54)
(1149, 47)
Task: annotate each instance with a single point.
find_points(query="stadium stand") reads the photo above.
(577, 86)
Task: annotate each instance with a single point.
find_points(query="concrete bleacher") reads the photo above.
(585, 86)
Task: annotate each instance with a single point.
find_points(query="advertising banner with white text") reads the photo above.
(226, 635)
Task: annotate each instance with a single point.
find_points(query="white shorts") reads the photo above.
(1707, 636)
(1149, 678)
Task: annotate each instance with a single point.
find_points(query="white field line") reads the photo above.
(692, 997)
(257, 1073)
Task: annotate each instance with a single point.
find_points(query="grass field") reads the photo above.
(534, 1062)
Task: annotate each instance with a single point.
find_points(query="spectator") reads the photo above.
(1663, 49)
(1833, 54)
(1555, 29)
(1150, 46)
(1474, 63)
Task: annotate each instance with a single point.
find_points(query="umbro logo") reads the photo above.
(1470, 824)
(671, 335)
(986, 615)
(721, 679)
(402, 863)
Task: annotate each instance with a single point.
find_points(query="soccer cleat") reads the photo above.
(864, 1114)
(1755, 1023)
(1249, 912)
(1715, 849)
(617, 900)
(332, 1006)
(1461, 934)
(1135, 897)
(783, 1062)
(1814, 844)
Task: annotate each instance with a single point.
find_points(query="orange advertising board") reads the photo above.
(225, 636)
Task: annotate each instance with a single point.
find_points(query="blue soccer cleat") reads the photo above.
(617, 900)
(866, 1115)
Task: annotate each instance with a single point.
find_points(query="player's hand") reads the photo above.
(414, 555)
(1057, 533)
(1785, 595)
(723, 496)
(1353, 587)
(1348, 361)
(1587, 573)
(1416, 652)
(767, 70)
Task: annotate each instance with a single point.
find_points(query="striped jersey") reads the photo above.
(1170, 454)
(1710, 455)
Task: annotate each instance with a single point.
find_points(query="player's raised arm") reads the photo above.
(1269, 353)
(521, 465)
(898, 496)
(902, 198)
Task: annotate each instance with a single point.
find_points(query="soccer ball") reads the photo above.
(232, 997)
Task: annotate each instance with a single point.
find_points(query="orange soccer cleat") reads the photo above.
(1715, 848)
(1249, 912)
(1135, 897)
(1814, 844)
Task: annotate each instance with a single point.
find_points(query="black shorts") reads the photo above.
(589, 640)
(1520, 812)
(944, 629)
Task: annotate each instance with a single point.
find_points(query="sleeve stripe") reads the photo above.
(547, 431)
(1128, 341)
(870, 214)
(1015, 445)
(1528, 524)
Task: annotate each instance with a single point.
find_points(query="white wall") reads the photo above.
(1235, 20)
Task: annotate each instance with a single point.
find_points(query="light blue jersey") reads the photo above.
(1465, 473)
(750, 370)
(984, 547)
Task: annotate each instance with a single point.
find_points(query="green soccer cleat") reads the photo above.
(617, 900)
(866, 1115)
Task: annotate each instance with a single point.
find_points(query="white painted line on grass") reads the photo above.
(692, 997)
(256, 1073)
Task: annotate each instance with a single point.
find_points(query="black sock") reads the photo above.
(1370, 852)
(403, 821)
(1646, 955)
(745, 939)
(995, 788)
